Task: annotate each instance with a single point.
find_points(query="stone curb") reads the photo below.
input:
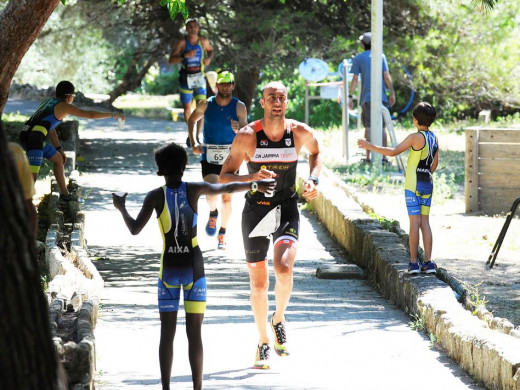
(75, 285)
(489, 355)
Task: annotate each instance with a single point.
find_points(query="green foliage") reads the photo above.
(174, 7)
(387, 224)
(13, 124)
(418, 323)
(466, 61)
(477, 301)
(158, 82)
(322, 113)
(85, 59)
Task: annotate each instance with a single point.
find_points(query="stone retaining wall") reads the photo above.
(75, 288)
(490, 355)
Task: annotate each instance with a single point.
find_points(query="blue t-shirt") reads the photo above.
(361, 64)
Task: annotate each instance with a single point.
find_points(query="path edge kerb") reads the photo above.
(489, 355)
(75, 285)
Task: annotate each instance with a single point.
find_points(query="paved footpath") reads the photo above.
(342, 333)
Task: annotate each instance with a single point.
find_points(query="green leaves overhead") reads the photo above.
(487, 5)
(176, 6)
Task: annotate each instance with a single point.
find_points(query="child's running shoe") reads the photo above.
(222, 241)
(429, 267)
(211, 226)
(280, 338)
(413, 268)
(262, 357)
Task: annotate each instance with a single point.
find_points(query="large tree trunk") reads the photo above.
(20, 23)
(27, 355)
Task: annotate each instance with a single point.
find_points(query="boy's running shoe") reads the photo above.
(262, 357)
(413, 268)
(280, 338)
(429, 267)
(211, 226)
(222, 241)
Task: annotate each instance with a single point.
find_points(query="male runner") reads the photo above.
(271, 147)
(194, 52)
(223, 115)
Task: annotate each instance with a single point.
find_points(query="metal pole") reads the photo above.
(376, 78)
(306, 103)
(345, 109)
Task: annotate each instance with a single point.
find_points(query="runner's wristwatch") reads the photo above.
(254, 186)
(314, 179)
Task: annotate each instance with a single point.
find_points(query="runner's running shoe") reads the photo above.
(413, 268)
(429, 267)
(211, 226)
(262, 357)
(280, 338)
(222, 241)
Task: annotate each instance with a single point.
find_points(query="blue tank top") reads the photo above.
(191, 65)
(217, 122)
(44, 117)
(178, 225)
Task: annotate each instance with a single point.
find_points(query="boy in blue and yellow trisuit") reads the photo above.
(422, 162)
(182, 265)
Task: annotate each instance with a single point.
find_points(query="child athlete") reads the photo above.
(422, 162)
(181, 260)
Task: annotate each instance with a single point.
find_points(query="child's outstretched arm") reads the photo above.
(204, 188)
(136, 225)
(413, 140)
(196, 189)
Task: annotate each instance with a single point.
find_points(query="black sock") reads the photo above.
(222, 230)
(213, 213)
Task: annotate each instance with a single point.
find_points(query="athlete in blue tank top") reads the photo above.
(223, 115)
(194, 53)
(42, 124)
(182, 264)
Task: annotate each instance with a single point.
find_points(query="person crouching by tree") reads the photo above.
(182, 265)
(42, 125)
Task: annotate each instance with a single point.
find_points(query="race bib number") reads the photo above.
(196, 80)
(216, 154)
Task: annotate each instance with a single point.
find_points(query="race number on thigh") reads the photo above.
(216, 154)
(196, 80)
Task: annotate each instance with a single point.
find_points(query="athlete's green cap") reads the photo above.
(225, 77)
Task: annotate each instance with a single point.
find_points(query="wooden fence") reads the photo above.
(492, 169)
